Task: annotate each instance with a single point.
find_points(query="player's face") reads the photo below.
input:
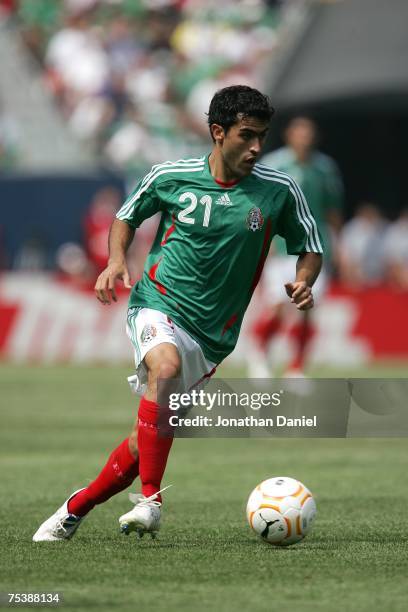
(241, 146)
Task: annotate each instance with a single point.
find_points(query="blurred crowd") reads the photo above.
(134, 77)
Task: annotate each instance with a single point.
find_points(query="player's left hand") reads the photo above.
(300, 294)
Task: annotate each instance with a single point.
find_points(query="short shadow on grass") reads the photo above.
(218, 542)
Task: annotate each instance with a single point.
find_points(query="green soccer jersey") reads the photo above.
(211, 244)
(320, 181)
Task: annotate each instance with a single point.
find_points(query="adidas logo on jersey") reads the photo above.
(224, 200)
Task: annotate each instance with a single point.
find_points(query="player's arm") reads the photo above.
(298, 226)
(308, 267)
(120, 236)
(141, 204)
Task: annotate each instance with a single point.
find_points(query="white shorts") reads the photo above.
(148, 328)
(282, 269)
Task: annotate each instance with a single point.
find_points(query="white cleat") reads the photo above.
(144, 517)
(60, 526)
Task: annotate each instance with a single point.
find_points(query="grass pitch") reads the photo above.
(60, 423)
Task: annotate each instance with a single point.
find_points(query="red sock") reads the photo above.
(153, 449)
(303, 332)
(119, 472)
(264, 328)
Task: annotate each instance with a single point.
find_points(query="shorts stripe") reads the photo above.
(133, 333)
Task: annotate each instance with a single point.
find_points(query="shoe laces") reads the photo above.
(60, 529)
(140, 500)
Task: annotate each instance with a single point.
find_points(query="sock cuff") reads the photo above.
(148, 411)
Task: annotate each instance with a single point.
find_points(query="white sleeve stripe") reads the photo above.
(306, 209)
(190, 160)
(148, 179)
(310, 245)
(300, 216)
(302, 209)
(155, 168)
(127, 209)
(153, 172)
(304, 220)
(169, 164)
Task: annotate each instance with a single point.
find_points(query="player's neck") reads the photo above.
(219, 170)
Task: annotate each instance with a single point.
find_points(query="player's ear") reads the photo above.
(217, 132)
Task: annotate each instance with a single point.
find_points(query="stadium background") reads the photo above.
(92, 93)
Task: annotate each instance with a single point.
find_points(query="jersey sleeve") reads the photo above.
(297, 225)
(142, 203)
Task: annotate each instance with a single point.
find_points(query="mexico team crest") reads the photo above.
(148, 333)
(254, 220)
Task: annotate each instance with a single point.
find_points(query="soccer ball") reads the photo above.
(281, 510)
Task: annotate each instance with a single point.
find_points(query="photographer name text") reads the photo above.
(279, 420)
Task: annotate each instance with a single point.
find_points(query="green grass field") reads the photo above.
(60, 423)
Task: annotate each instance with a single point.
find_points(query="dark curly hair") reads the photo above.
(229, 102)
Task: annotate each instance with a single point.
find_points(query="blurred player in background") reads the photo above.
(319, 178)
(219, 214)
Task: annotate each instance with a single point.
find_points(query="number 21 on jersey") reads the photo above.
(206, 201)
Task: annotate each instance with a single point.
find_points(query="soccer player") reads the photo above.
(219, 214)
(319, 178)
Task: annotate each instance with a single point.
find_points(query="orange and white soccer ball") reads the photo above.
(281, 510)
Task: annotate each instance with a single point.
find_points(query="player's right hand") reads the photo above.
(105, 284)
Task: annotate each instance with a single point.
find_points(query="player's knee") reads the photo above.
(163, 362)
(163, 373)
(162, 368)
